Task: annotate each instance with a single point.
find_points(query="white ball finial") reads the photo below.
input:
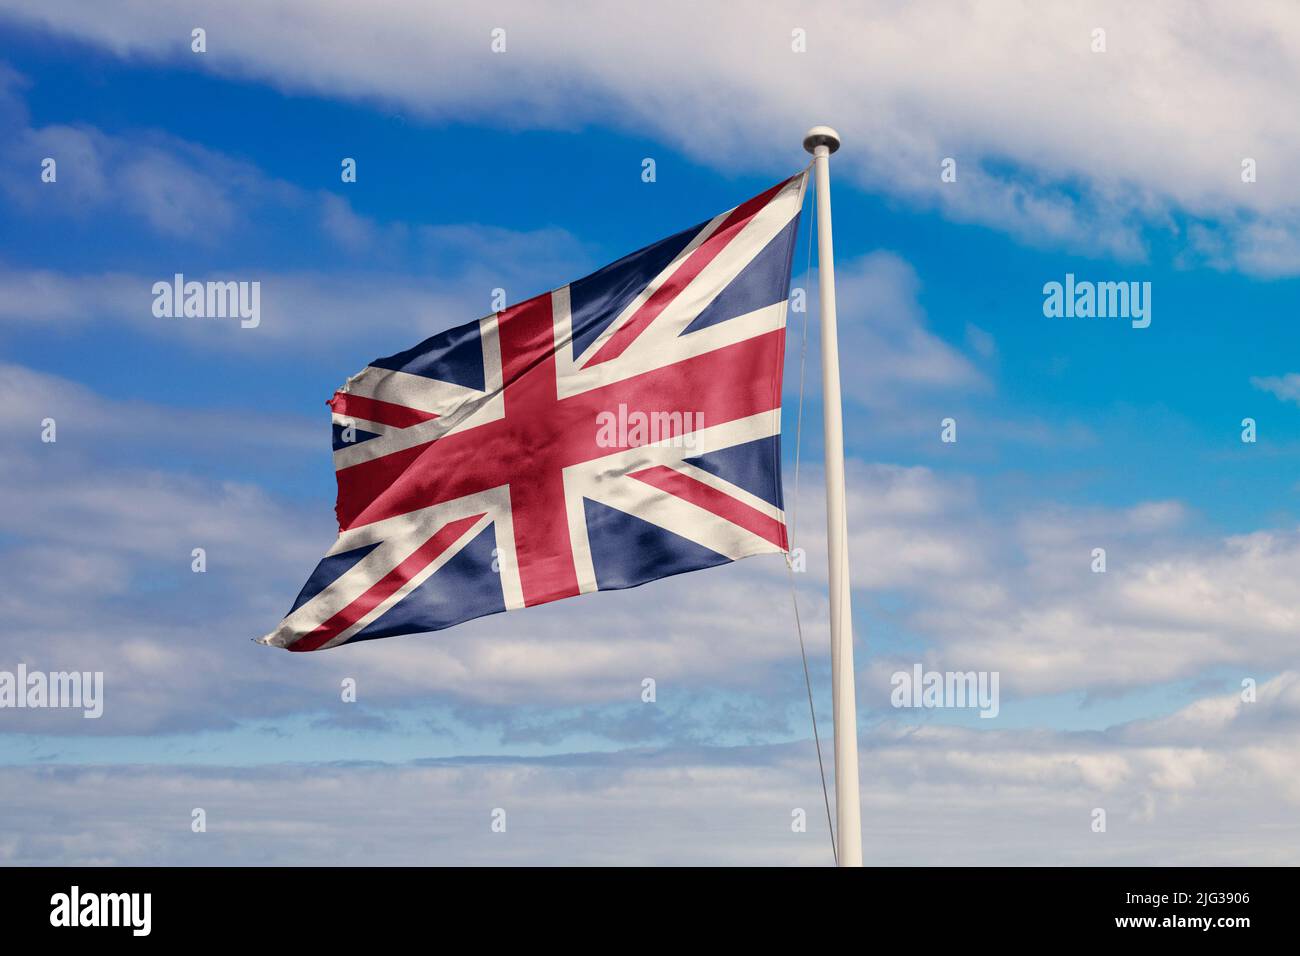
(821, 136)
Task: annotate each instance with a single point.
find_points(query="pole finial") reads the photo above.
(821, 136)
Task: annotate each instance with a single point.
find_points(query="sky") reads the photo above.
(1156, 151)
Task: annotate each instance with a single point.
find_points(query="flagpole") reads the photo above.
(821, 141)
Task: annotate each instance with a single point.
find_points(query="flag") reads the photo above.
(619, 429)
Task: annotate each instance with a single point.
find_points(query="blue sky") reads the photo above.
(1073, 433)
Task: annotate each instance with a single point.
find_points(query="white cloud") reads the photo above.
(180, 190)
(1285, 387)
(1055, 143)
(930, 795)
(976, 591)
(888, 356)
(195, 196)
(1165, 609)
(303, 311)
(87, 422)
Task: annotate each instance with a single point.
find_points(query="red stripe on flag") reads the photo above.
(388, 585)
(663, 296)
(714, 501)
(374, 410)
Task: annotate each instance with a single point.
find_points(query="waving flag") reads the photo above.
(622, 428)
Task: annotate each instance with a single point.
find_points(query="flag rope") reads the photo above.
(794, 510)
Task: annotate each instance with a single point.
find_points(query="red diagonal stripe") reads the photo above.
(660, 299)
(374, 410)
(386, 586)
(714, 501)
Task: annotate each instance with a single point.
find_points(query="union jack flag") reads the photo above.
(622, 428)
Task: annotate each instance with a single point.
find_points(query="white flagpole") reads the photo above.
(821, 141)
